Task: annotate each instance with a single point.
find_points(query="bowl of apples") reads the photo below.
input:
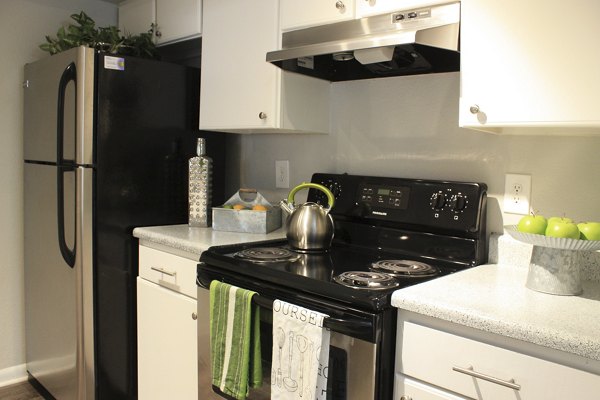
(556, 232)
(554, 266)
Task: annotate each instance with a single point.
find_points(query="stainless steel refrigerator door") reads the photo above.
(72, 74)
(58, 297)
(50, 284)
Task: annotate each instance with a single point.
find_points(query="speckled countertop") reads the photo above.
(191, 242)
(494, 298)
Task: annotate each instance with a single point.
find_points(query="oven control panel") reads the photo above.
(392, 197)
(447, 205)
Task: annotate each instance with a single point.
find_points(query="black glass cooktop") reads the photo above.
(315, 273)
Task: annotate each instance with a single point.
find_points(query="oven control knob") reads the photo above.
(458, 202)
(438, 200)
(334, 187)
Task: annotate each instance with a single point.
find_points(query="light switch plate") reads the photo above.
(517, 194)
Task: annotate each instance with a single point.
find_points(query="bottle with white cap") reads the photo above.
(200, 181)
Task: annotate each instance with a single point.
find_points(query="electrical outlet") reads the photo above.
(282, 174)
(517, 194)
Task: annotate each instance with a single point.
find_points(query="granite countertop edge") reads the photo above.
(527, 315)
(194, 240)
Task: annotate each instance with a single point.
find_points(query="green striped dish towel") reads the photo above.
(234, 340)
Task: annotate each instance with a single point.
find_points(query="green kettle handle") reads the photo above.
(330, 198)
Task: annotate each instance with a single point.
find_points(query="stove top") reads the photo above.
(390, 233)
(341, 274)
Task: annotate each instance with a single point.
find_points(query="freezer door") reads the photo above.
(59, 100)
(58, 282)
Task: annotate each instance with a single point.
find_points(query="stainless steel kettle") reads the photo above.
(309, 225)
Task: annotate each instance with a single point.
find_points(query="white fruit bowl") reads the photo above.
(552, 242)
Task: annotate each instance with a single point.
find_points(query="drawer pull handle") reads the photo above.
(163, 271)
(469, 371)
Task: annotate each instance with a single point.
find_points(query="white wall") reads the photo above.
(408, 127)
(23, 26)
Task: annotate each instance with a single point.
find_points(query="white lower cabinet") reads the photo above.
(410, 389)
(167, 331)
(436, 364)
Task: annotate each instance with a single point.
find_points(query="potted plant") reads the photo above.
(107, 39)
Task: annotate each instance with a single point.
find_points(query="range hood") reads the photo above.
(417, 41)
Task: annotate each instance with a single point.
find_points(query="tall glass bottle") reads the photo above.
(200, 187)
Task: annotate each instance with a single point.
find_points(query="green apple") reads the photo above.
(589, 230)
(563, 229)
(552, 220)
(227, 206)
(532, 224)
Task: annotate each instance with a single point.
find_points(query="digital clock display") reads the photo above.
(390, 197)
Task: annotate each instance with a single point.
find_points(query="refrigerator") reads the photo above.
(106, 144)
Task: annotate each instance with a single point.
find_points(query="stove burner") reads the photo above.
(405, 268)
(366, 280)
(267, 254)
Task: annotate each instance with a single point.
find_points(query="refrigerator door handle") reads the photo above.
(63, 166)
(68, 75)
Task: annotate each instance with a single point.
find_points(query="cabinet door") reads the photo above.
(406, 388)
(529, 63)
(178, 19)
(167, 344)
(365, 8)
(296, 14)
(136, 16)
(239, 89)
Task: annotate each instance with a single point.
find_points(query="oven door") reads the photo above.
(353, 350)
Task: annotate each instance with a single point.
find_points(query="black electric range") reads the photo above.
(389, 233)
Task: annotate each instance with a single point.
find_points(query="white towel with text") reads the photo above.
(300, 353)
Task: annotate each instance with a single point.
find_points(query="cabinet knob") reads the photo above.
(194, 316)
(262, 115)
(405, 398)
(340, 5)
(158, 33)
(474, 109)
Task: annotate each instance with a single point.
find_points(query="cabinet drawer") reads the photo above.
(173, 272)
(438, 357)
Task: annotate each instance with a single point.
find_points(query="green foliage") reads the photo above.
(107, 39)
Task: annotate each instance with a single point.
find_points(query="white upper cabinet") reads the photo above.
(136, 16)
(242, 93)
(530, 64)
(174, 19)
(178, 19)
(296, 14)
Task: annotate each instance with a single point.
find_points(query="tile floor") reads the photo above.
(19, 391)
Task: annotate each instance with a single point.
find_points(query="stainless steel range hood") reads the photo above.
(416, 41)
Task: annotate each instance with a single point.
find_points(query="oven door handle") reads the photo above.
(345, 326)
(352, 328)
